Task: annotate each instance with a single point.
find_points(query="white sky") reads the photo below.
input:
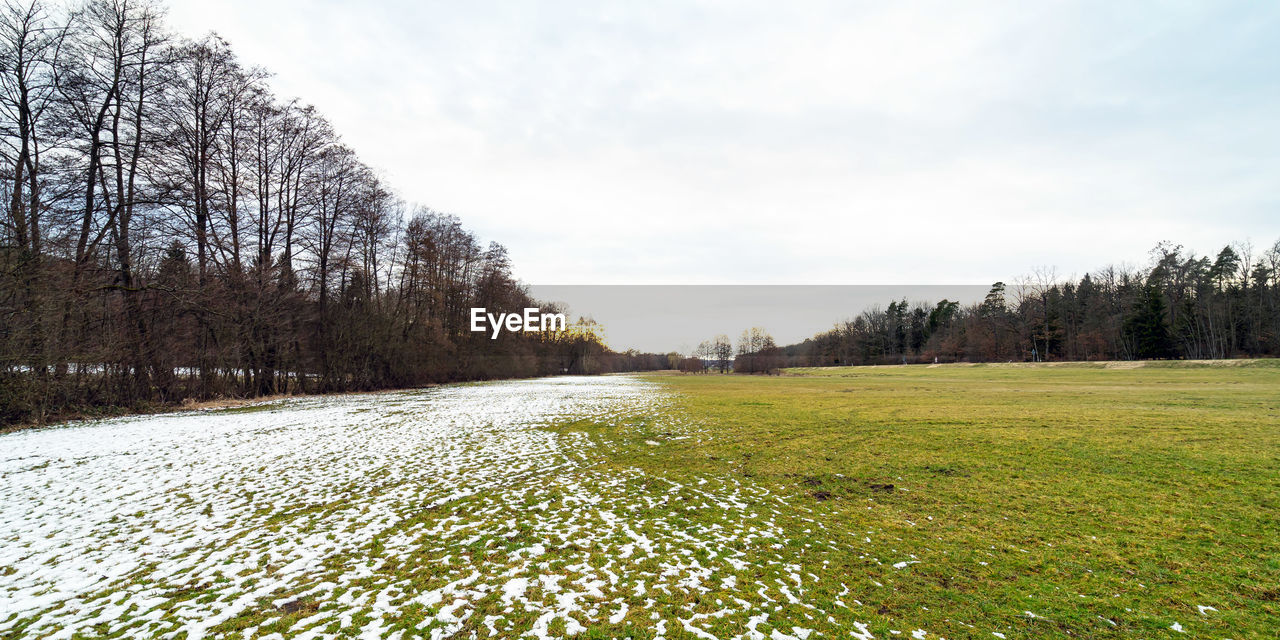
(815, 143)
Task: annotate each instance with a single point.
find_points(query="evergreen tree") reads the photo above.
(1147, 327)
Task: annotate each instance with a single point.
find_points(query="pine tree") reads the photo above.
(1147, 327)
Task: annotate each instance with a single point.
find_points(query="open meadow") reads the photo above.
(1122, 499)
(989, 501)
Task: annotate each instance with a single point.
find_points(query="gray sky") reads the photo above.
(664, 318)
(816, 143)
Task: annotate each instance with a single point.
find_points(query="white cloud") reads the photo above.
(816, 143)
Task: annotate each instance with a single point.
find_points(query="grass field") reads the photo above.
(1002, 501)
(1033, 501)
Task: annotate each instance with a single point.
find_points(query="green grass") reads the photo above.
(1105, 501)
(1108, 502)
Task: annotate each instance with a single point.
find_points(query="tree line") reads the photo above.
(172, 229)
(756, 352)
(1181, 305)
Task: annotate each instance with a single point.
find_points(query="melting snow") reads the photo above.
(386, 515)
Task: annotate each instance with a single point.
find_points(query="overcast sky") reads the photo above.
(817, 143)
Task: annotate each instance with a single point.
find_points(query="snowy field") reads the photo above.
(450, 512)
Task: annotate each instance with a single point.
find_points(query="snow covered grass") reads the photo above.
(873, 503)
(287, 517)
(484, 510)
